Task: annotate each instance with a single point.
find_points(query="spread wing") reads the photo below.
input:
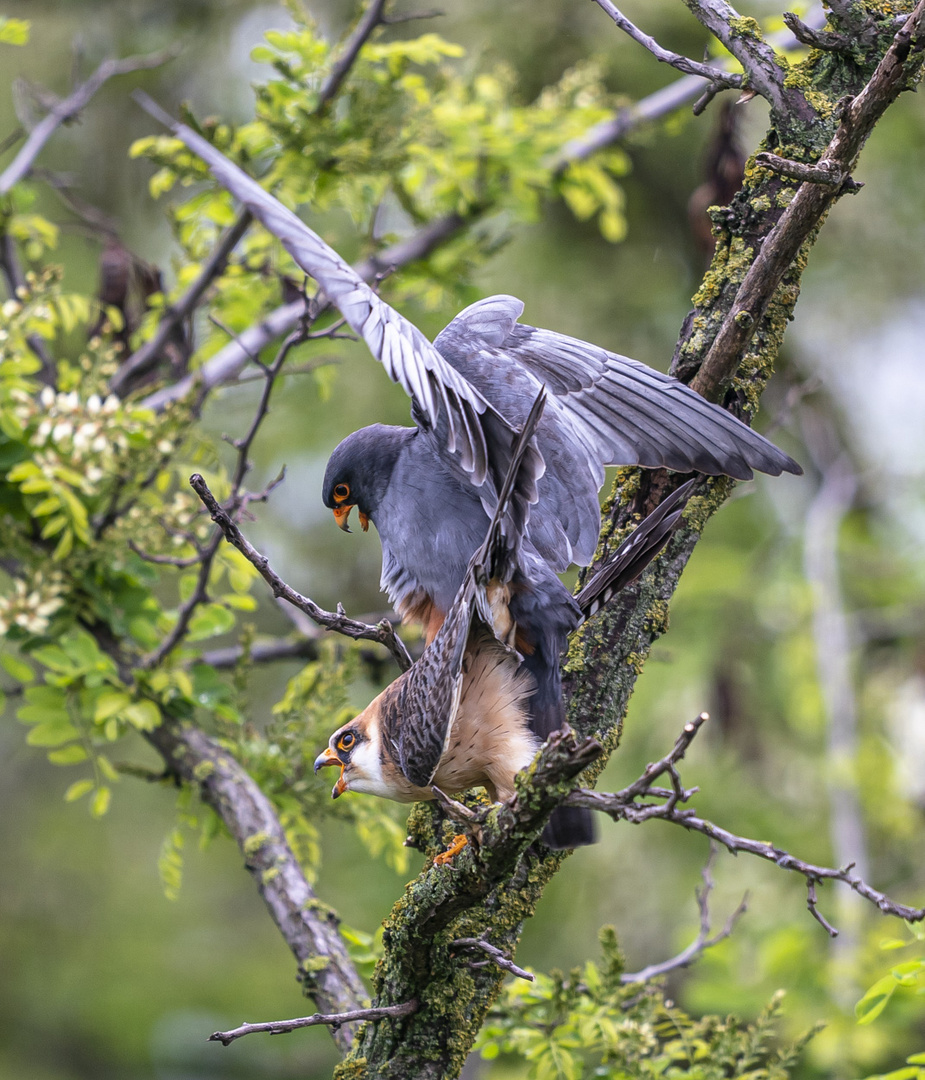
(603, 409)
(465, 425)
(420, 721)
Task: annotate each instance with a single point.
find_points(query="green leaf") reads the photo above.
(77, 790)
(875, 1000)
(100, 802)
(209, 621)
(916, 1059)
(911, 967)
(68, 755)
(14, 31)
(144, 715)
(54, 657)
(17, 668)
(109, 703)
(52, 734)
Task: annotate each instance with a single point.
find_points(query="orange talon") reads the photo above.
(456, 845)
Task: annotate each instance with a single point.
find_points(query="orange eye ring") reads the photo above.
(341, 492)
(346, 741)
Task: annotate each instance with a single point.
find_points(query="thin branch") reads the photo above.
(807, 208)
(827, 40)
(754, 54)
(825, 172)
(623, 806)
(383, 632)
(146, 357)
(703, 940)
(308, 926)
(498, 958)
(412, 16)
(262, 652)
(814, 910)
(68, 108)
(187, 609)
(179, 561)
(372, 17)
(715, 75)
(199, 594)
(332, 1020)
(15, 281)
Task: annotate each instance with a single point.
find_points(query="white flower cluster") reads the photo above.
(30, 606)
(87, 435)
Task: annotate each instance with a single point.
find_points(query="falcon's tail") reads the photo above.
(635, 553)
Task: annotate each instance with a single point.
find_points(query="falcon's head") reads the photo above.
(358, 472)
(355, 749)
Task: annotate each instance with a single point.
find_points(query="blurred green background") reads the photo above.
(102, 976)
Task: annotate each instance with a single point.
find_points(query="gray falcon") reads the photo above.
(431, 489)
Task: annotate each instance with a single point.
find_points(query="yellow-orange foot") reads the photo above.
(456, 845)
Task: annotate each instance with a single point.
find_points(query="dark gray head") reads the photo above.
(359, 470)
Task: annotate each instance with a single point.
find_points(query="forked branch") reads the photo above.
(641, 801)
(382, 632)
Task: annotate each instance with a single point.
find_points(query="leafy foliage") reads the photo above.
(591, 1023)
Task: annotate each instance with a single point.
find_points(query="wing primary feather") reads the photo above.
(636, 551)
(403, 350)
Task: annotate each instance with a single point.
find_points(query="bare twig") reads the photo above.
(332, 1020)
(372, 17)
(263, 652)
(68, 108)
(498, 958)
(147, 355)
(703, 940)
(825, 172)
(623, 806)
(814, 910)
(816, 39)
(807, 208)
(715, 75)
(179, 561)
(199, 595)
(383, 632)
(754, 54)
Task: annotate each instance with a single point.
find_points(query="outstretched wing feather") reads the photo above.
(409, 358)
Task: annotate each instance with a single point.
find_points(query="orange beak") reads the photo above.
(342, 514)
(329, 757)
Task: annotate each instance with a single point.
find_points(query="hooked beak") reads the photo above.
(329, 757)
(342, 514)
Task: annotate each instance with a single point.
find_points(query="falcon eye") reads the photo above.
(341, 492)
(346, 741)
